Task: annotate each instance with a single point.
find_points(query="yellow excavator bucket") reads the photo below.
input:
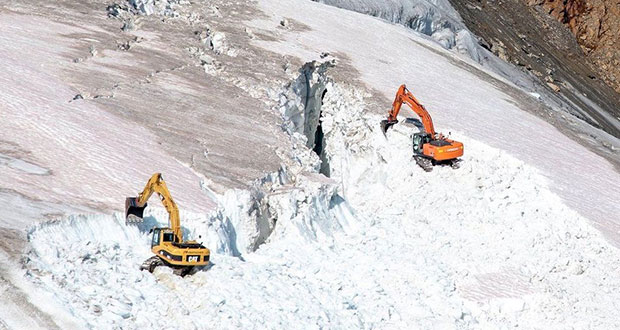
(134, 213)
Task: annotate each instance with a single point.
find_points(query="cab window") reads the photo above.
(155, 241)
(417, 139)
(168, 237)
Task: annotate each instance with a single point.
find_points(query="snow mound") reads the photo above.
(290, 204)
(90, 263)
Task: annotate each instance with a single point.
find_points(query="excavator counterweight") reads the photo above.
(429, 147)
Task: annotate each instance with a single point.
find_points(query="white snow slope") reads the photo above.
(457, 99)
(93, 155)
(434, 18)
(487, 246)
(505, 241)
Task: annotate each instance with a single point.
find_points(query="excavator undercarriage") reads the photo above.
(427, 162)
(153, 262)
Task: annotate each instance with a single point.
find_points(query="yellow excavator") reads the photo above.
(168, 245)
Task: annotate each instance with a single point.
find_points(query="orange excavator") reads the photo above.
(429, 148)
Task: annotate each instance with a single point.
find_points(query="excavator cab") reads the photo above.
(156, 237)
(419, 140)
(161, 235)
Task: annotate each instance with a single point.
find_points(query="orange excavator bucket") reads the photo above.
(134, 213)
(386, 124)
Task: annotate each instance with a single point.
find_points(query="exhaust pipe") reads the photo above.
(134, 213)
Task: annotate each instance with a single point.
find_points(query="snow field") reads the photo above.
(72, 149)
(380, 244)
(435, 19)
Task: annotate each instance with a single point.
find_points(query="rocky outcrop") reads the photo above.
(542, 47)
(596, 25)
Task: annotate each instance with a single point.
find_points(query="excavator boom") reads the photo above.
(403, 95)
(134, 206)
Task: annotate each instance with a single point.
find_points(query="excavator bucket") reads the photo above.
(386, 124)
(133, 212)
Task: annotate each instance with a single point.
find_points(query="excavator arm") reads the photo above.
(134, 206)
(404, 96)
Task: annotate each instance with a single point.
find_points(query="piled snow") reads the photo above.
(289, 208)
(91, 265)
(505, 246)
(300, 103)
(300, 106)
(379, 244)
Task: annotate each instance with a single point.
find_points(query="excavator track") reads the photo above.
(425, 163)
(455, 163)
(151, 263)
(182, 271)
